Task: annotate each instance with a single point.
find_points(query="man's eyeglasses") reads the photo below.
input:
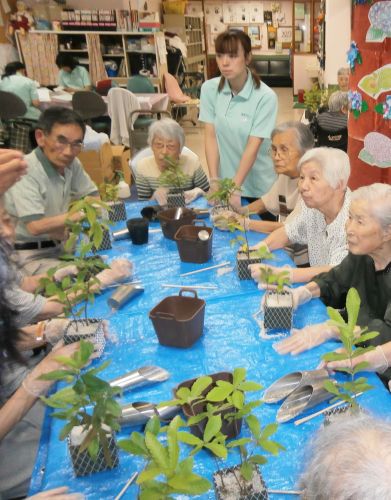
(62, 142)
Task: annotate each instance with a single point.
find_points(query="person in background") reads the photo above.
(343, 79)
(239, 112)
(167, 138)
(336, 118)
(72, 76)
(349, 460)
(367, 268)
(14, 80)
(323, 212)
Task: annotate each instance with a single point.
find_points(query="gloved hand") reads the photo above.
(300, 295)
(119, 270)
(160, 195)
(70, 270)
(54, 329)
(193, 194)
(57, 494)
(36, 387)
(235, 201)
(305, 339)
(223, 218)
(376, 359)
(259, 245)
(213, 187)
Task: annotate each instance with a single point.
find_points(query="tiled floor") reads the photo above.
(195, 135)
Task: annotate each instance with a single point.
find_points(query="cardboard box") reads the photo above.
(121, 157)
(98, 163)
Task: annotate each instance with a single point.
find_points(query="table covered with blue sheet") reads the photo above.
(231, 338)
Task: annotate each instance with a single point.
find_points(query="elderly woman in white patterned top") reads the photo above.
(166, 138)
(324, 208)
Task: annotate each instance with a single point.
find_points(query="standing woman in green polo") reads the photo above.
(239, 112)
(15, 80)
(72, 76)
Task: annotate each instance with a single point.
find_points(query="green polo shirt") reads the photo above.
(24, 88)
(78, 78)
(252, 112)
(44, 192)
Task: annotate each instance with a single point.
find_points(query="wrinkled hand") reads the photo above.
(119, 270)
(76, 216)
(305, 339)
(193, 194)
(12, 168)
(300, 295)
(62, 272)
(160, 195)
(376, 359)
(54, 329)
(57, 494)
(37, 387)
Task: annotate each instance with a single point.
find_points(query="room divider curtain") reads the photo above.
(39, 53)
(96, 67)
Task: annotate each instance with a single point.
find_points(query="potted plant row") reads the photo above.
(278, 302)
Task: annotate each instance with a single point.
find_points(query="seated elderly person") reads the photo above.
(343, 79)
(350, 460)
(366, 268)
(166, 138)
(290, 140)
(320, 222)
(336, 118)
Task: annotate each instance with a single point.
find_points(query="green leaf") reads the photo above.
(153, 425)
(335, 315)
(250, 386)
(238, 399)
(93, 448)
(200, 385)
(57, 375)
(353, 302)
(66, 430)
(254, 425)
(186, 437)
(246, 470)
(239, 375)
(218, 449)
(150, 472)
(331, 387)
(172, 443)
(218, 394)
(238, 442)
(258, 459)
(156, 449)
(270, 446)
(135, 445)
(212, 427)
(365, 337)
(269, 430)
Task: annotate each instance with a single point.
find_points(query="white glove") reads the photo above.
(36, 387)
(376, 359)
(236, 201)
(54, 329)
(305, 339)
(62, 272)
(259, 245)
(119, 270)
(223, 219)
(57, 494)
(160, 195)
(193, 194)
(300, 296)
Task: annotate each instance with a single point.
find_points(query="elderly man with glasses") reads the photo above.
(55, 177)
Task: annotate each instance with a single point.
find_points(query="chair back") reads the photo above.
(103, 86)
(144, 153)
(140, 84)
(333, 139)
(88, 104)
(11, 106)
(173, 89)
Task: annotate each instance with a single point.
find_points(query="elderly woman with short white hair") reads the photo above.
(343, 79)
(336, 118)
(321, 217)
(167, 139)
(366, 268)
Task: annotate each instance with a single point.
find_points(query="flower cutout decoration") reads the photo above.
(362, 2)
(354, 56)
(384, 108)
(357, 104)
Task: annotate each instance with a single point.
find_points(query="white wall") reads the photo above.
(304, 67)
(338, 22)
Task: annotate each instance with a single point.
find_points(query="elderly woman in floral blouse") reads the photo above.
(320, 222)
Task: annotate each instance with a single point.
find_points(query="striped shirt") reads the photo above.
(332, 120)
(148, 173)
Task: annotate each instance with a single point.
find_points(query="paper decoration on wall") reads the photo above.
(384, 108)
(376, 150)
(256, 13)
(362, 2)
(229, 13)
(354, 56)
(357, 105)
(242, 13)
(214, 13)
(377, 82)
(379, 16)
(284, 34)
(268, 17)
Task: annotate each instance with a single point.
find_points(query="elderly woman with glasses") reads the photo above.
(322, 213)
(166, 139)
(367, 268)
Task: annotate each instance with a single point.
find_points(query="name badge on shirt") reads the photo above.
(244, 117)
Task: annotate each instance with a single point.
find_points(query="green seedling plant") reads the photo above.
(173, 176)
(277, 282)
(85, 390)
(108, 192)
(351, 336)
(261, 253)
(164, 474)
(226, 188)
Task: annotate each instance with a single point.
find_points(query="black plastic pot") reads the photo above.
(138, 230)
(194, 242)
(117, 210)
(176, 200)
(90, 329)
(242, 263)
(179, 320)
(229, 483)
(83, 464)
(170, 224)
(278, 317)
(230, 428)
(151, 212)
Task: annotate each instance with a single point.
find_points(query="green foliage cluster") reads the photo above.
(261, 253)
(85, 390)
(316, 97)
(226, 188)
(351, 337)
(276, 281)
(108, 192)
(222, 401)
(173, 175)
